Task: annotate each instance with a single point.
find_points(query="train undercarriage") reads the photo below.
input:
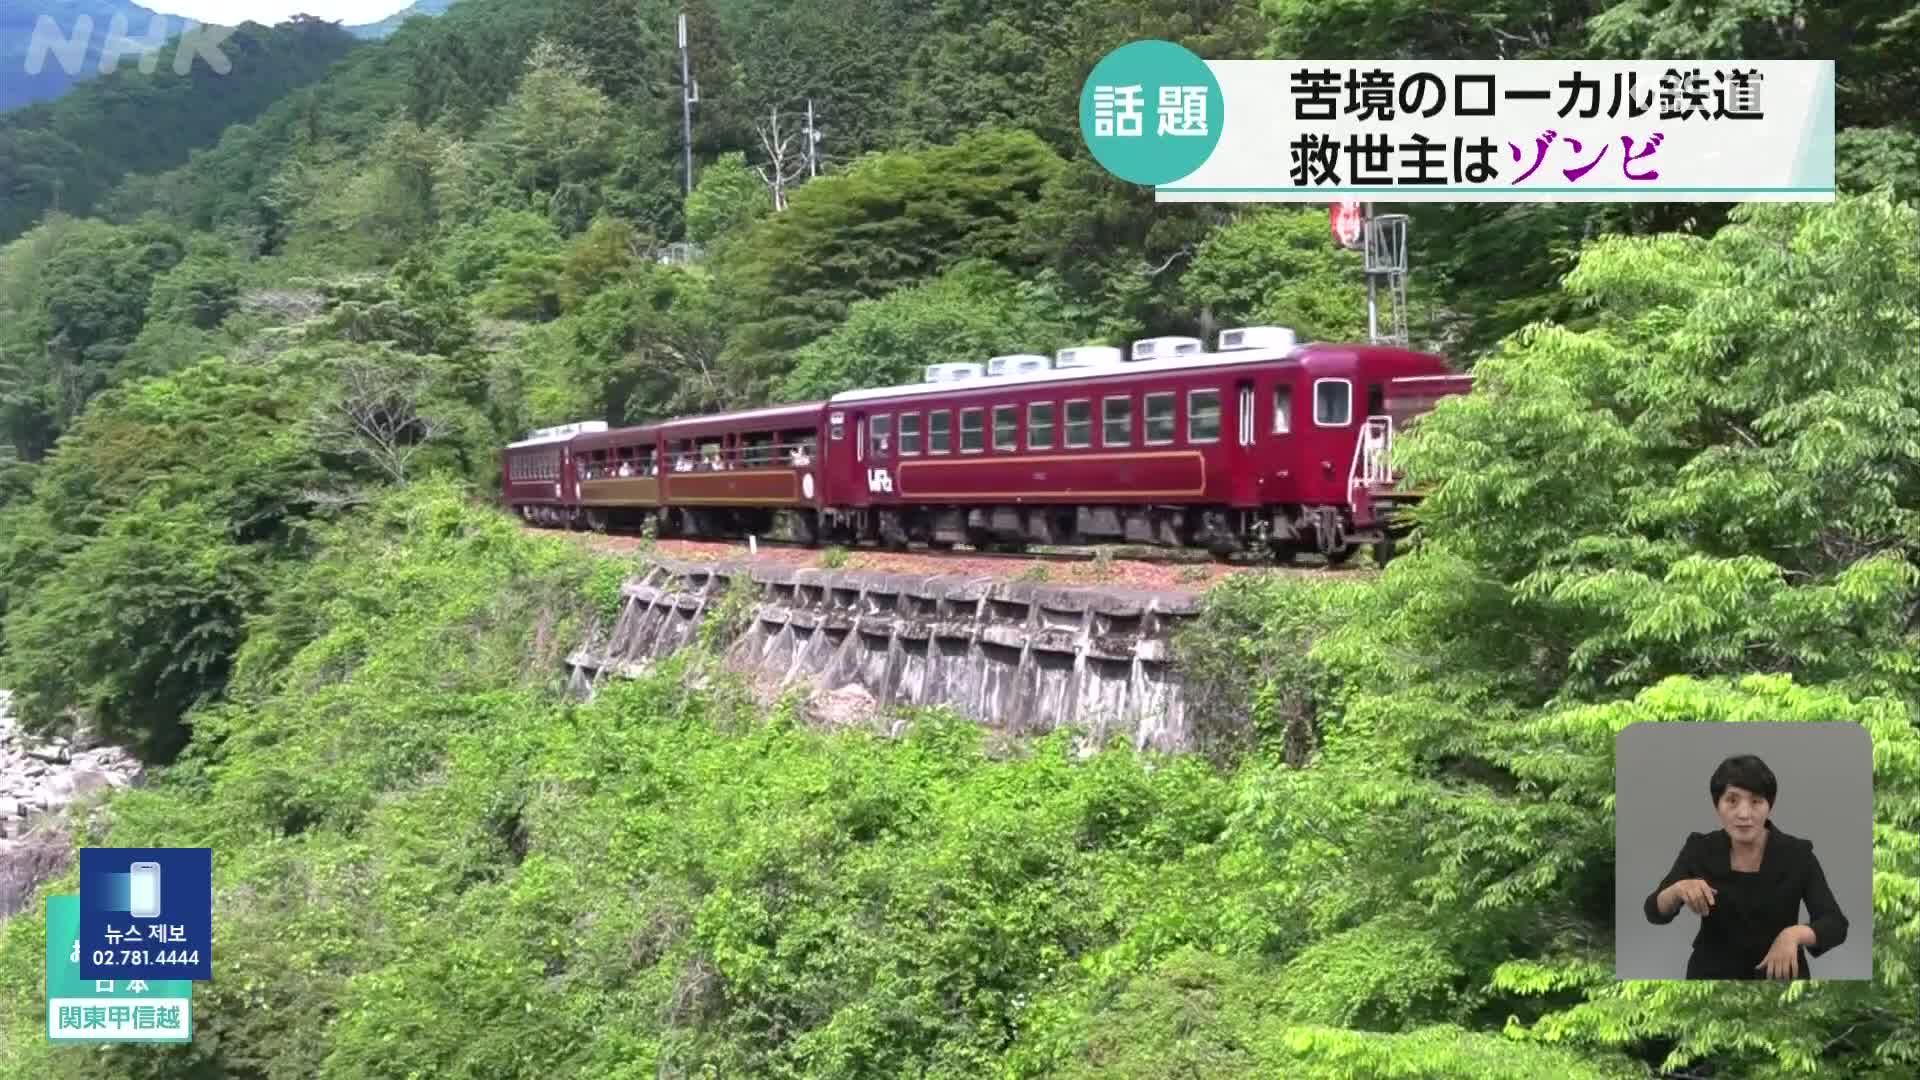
(1281, 532)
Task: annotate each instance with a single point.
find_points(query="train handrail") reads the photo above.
(1371, 455)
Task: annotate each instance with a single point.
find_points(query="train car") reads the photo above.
(1265, 442)
(537, 480)
(1262, 444)
(752, 472)
(619, 476)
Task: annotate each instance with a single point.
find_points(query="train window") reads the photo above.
(1117, 426)
(1333, 403)
(1006, 427)
(757, 452)
(1282, 409)
(1159, 418)
(910, 433)
(1203, 416)
(973, 430)
(1079, 423)
(1376, 400)
(939, 432)
(1040, 426)
(798, 445)
(880, 428)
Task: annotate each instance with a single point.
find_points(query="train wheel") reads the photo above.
(806, 528)
(1340, 555)
(1384, 551)
(597, 520)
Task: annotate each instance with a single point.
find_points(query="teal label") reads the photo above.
(1151, 112)
(106, 1010)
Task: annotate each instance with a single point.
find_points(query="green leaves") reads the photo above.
(893, 220)
(974, 310)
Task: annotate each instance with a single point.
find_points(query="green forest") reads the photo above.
(1685, 489)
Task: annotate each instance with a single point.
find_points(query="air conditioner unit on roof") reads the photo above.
(1258, 337)
(581, 428)
(1018, 363)
(952, 372)
(1088, 356)
(1162, 348)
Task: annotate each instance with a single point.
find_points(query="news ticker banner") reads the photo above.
(86, 1010)
(1408, 131)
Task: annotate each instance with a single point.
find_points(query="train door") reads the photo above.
(862, 466)
(845, 459)
(1244, 463)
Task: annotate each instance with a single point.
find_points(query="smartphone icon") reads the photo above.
(144, 890)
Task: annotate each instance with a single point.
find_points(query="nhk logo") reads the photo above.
(70, 50)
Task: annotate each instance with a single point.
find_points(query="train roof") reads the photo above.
(1190, 362)
(615, 437)
(803, 414)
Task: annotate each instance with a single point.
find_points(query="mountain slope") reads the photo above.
(20, 18)
(379, 30)
(70, 151)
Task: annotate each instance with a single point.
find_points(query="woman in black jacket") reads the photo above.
(1746, 881)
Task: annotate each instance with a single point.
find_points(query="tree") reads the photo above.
(125, 579)
(1701, 507)
(1280, 267)
(556, 130)
(73, 299)
(201, 291)
(887, 221)
(784, 154)
(728, 197)
(380, 412)
(843, 54)
(973, 311)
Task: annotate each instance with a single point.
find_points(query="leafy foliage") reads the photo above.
(895, 219)
(974, 309)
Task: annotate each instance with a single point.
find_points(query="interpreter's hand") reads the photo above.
(1783, 959)
(1695, 893)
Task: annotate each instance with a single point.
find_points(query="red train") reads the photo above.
(1263, 444)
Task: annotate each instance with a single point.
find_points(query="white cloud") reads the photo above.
(268, 12)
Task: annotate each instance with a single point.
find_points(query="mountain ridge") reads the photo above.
(20, 20)
(375, 31)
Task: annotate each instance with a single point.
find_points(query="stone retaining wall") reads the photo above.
(1019, 657)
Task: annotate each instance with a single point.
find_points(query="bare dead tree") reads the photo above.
(376, 414)
(786, 156)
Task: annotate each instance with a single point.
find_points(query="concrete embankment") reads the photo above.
(1021, 658)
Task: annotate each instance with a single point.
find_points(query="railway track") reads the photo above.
(1136, 554)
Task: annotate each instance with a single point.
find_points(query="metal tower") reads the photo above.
(1386, 269)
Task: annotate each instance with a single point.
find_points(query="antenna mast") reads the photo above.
(689, 93)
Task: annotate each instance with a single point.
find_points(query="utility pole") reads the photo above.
(813, 143)
(1373, 279)
(688, 95)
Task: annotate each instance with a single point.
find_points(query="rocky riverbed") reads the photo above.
(39, 778)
